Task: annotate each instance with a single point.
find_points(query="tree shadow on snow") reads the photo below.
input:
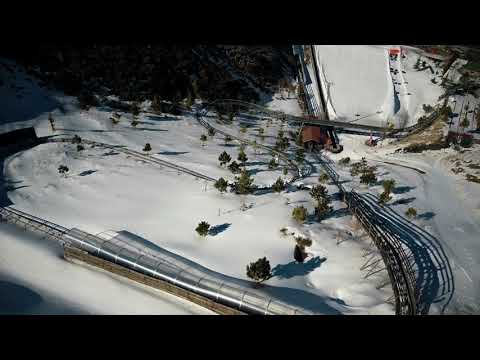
(338, 213)
(402, 189)
(10, 187)
(294, 268)
(148, 129)
(403, 201)
(228, 145)
(217, 229)
(426, 215)
(336, 196)
(88, 130)
(172, 152)
(110, 153)
(87, 172)
(161, 118)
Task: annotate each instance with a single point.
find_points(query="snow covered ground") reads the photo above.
(35, 279)
(107, 190)
(446, 231)
(361, 86)
(284, 102)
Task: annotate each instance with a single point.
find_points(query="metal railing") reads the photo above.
(32, 223)
(139, 156)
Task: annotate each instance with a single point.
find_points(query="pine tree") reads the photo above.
(80, 147)
(234, 167)
(465, 123)
(202, 228)
(203, 139)
(298, 254)
(224, 158)
(282, 144)
(368, 176)
(135, 109)
(134, 121)
(272, 164)
(299, 213)
(344, 161)
(244, 183)
(285, 171)
(320, 194)
(157, 105)
(299, 140)
(259, 270)
(190, 100)
(227, 139)
(52, 121)
(76, 139)
(115, 118)
(300, 155)
(147, 147)
(221, 185)
(358, 167)
(388, 185)
(384, 198)
(62, 169)
(303, 241)
(411, 212)
(279, 185)
(255, 147)
(323, 178)
(242, 157)
(211, 132)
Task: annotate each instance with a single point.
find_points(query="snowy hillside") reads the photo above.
(106, 189)
(444, 235)
(364, 85)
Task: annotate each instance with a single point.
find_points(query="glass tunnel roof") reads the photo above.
(136, 253)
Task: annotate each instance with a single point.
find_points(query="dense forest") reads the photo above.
(172, 72)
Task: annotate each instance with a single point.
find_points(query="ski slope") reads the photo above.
(361, 86)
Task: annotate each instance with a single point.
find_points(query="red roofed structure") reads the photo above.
(394, 51)
(313, 136)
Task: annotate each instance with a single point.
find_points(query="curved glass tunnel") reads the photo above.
(138, 254)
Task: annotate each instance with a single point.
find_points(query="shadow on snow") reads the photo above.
(433, 273)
